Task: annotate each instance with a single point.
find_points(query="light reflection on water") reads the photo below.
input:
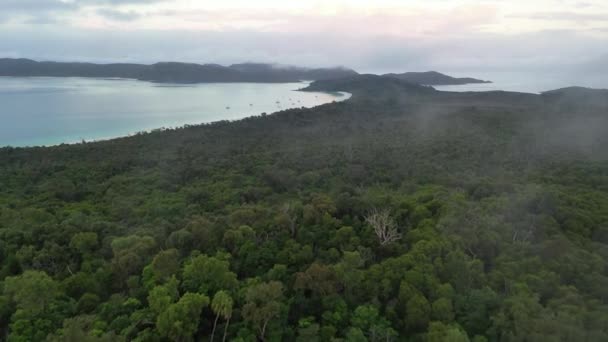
(48, 111)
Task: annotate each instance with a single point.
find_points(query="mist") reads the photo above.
(539, 52)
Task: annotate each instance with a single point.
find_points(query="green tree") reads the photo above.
(162, 296)
(368, 320)
(131, 253)
(222, 306)
(439, 332)
(82, 329)
(355, 335)
(180, 320)
(418, 312)
(319, 279)
(442, 310)
(165, 264)
(31, 291)
(85, 243)
(207, 275)
(308, 330)
(263, 302)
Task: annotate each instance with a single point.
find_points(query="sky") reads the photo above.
(369, 36)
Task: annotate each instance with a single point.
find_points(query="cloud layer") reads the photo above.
(384, 35)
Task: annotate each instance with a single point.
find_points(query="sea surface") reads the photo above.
(40, 111)
(527, 82)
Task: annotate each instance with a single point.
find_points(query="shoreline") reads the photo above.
(340, 97)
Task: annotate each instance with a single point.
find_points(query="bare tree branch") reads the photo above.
(384, 226)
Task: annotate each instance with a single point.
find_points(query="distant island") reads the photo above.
(369, 85)
(434, 78)
(173, 72)
(176, 72)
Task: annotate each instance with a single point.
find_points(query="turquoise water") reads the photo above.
(49, 111)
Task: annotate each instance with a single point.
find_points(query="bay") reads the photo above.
(37, 111)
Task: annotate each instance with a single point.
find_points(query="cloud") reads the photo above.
(546, 50)
(118, 15)
(34, 12)
(49, 12)
(29, 6)
(566, 16)
(7, 6)
(118, 2)
(392, 35)
(124, 2)
(402, 21)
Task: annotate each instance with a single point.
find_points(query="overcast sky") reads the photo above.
(378, 35)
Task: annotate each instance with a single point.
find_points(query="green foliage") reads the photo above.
(131, 253)
(439, 332)
(222, 304)
(85, 243)
(418, 312)
(367, 320)
(179, 321)
(263, 302)
(208, 275)
(162, 296)
(32, 292)
(164, 265)
(501, 201)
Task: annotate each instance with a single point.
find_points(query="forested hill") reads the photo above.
(435, 78)
(367, 85)
(172, 72)
(405, 215)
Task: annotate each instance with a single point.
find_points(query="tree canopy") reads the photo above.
(399, 215)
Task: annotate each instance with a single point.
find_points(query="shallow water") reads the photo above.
(49, 111)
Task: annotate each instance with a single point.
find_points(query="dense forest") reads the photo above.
(176, 72)
(434, 78)
(402, 214)
(172, 72)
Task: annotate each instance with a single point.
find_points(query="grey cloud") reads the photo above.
(28, 6)
(547, 50)
(42, 19)
(118, 2)
(36, 12)
(118, 15)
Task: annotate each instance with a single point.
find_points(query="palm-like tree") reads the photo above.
(222, 306)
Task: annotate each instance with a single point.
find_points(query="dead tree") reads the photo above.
(384, 226)
(289, 210)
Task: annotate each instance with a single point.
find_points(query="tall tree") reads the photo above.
(263, 302)
(208, 275)
(180, 320)
(222, 306)
(31, 291)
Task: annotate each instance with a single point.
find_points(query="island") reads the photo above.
(172, 72)
(177, 72)
(434, 78)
